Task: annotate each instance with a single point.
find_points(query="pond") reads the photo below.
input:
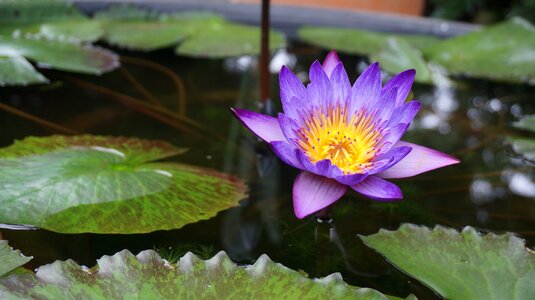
(492, 189)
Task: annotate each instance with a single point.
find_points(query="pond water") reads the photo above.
(492, 188)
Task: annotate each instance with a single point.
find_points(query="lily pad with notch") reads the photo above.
(74, 184)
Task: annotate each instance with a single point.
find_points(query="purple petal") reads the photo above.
(351, 179)
(292, 92)
(403, 83)
(393, 136)
(392, 157)
(288, 126)
(385, 106)
(265, 127)
(341, 87)
(287, 153)
(419, 160)
(404, 113)
(378, 189)
(319, 89)
(330, 63)
(367, 88)
(312, 193)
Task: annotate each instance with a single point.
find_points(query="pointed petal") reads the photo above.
(330, 62)
(287, 153)
(419, 160)
(378, 189)
(319, 89)
(292, 92)
(385, 106)
(312, 193)
(403, 83)
(392, 157)
(288, 126)
(367, 88)
(341, 87)
(265, 127)
(404, 113)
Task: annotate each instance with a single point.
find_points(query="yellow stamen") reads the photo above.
(348, 144)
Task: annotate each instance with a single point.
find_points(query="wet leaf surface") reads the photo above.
(17, 70)
(460, 265)
(107, 185)
(147, 276)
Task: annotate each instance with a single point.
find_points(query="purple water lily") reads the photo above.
(344, 136)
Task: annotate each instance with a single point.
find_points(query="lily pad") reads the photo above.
(17, 70)
(10, 259)
(107, 185)
(198, 34)
(503, 52)
(397, 56)
(526, 123)
(147, 276)
(20, 12)
(524, 146)
(460, 265)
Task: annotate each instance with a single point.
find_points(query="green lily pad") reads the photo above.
(503, 52)
(198, 34)
(60, 55)
(460, 265)
(524, 146)
(17, 70)
(147, 276)
(107, 185)
(22, 12)
(526, 123)
(398, 56)
(10, 259)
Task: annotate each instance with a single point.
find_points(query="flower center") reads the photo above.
(348, 144)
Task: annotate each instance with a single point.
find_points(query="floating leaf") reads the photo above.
(526, 123)
(147, 276)
(21, 12)
(398, 56)
(460, 265)
(107, 185)
(504, 51)
(10, 259)
(524, 146)
(60, 55)
(17, 70)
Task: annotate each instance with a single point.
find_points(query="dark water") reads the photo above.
(492, 189)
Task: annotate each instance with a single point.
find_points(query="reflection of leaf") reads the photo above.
(10, 259)
(526, 123)
(505, 51)
(460, 265)
(147, 276)
(17, 70)
(524, 146)
(397, 56)
(107, 185)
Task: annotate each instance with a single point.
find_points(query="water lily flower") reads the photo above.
(344, 136)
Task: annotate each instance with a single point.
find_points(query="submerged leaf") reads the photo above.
(147, 276)
(10, 259)
(107, 185)
(460, 265)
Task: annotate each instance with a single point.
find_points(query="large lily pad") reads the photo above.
(504, 51)
(198, 34)
(107, 185)
(460, 265)
(147, 276)
(10, 259)
(397, 56)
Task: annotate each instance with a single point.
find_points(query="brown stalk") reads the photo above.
(139, 87)
(35, 119)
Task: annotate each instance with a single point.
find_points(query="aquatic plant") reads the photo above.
(344, 136)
